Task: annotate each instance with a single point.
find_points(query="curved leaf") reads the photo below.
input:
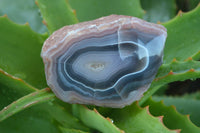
(185, 106)
(56, 14)
(92, 9)
(133, 119)
(23, 11)
(94, 120)
(183, 36)
(26, 101)
(20, 52)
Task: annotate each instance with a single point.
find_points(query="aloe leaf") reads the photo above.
(134, 119)
(184, 106)
(92, 9)
(12, 88)
(159, 11)
(56, 14)
(62, 115)
(23, 11)
(94, 120)
(31, 120)
(183, 36)
(20, 52)
(26, 101)
(172, 119)
(175, 71)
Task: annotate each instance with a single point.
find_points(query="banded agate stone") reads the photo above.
(109, 62)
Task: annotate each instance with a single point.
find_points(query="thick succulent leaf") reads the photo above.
(20, 52)
(158, 10)
(183, 39)
(94, 120)
(56, 13)
(59, 115)
(133, 119)
(172, 119)
(92, 9)
(175, 71)
(12, 88)
(22, 11)
(31, 120)
(63, 117)
(185, 106)
(26, 101)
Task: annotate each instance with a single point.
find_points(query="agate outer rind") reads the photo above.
(114, 35)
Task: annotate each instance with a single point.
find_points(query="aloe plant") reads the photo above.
(28, 105)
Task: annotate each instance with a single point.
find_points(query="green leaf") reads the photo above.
(58, 114)
(20, 49)
(23, 11)
(185, 106)
(62, 115)
(92, 9)
(158, 10)
(183, 39)
(26, 101)
(172, 119)
(175, 71)
(12, 88)
(31, 120)
(94, 120)
(133, 119)
(56, 14)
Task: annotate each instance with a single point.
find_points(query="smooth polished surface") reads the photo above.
(109, 62)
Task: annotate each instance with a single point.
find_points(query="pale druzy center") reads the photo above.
(95, 66)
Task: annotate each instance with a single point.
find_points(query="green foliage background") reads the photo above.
(27, 105)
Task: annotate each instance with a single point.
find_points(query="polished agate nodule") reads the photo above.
(109, 62)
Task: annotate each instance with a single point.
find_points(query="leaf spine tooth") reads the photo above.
(107, 118)
(47, 89)
(189, 59)
(158, 22)
(161, 118)
(180, 13)
(174, 60)
(44, 22)
(74, 11)
(191, 70)
(5, 16)
(95, 110)
(171, 73)
(36, 2)
(27, 24)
